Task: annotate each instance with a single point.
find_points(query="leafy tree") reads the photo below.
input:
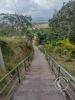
(62, 24)
(13, 24)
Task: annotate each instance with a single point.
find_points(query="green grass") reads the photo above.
(8, 45)
(67, 63)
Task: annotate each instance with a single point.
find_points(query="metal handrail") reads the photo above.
(70, 92)
(61, 67)
(15, 67)
(7, 82)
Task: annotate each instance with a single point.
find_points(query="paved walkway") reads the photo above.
(39, 82)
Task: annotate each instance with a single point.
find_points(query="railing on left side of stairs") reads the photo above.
(11, 80)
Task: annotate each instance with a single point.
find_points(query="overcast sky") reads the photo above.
(38, 9)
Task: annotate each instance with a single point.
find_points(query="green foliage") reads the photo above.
(62, 24)
(7, 54)
(61, 31)
(8, 46)
(48, 47)
(61, 47)
(29, 35)
(42, 35)
(73, 53)
(66, 46)
(15, 24)
(72, 38)
(58, 50)
(60, 39)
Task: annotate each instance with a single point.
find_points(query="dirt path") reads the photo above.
(39, 82)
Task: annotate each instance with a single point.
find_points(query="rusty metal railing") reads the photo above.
(58, 70)
(11, 80)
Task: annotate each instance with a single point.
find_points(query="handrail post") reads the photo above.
(28, 63)
(52, 65)
(59, 72)
(18, 75)
(0, 95)
(25, 65)
(49, 60)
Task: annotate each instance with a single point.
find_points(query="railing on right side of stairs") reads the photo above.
(11, 80)
(58, 70)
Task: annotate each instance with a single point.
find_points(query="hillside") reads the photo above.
(13, 24)
(14, 49)
(62, 24)
(13, 19)
(59, 39)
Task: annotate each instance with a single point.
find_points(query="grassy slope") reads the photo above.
(9, 45)
(61, 27)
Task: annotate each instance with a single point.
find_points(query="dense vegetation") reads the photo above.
(59, 41)
(15, 39)
(62, 24)
(13, 24)
(14, 49)
(42, 35)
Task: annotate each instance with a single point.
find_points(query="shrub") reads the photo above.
(58, 50)
(73, 53)
(48, 47)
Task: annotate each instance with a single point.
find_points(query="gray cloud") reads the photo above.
(37, 8)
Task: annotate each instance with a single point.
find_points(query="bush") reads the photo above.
(58, 50)
(73, 53)
(48, 47)
(66, 46)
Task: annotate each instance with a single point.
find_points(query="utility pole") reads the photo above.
(2, 66)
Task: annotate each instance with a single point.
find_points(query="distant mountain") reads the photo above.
(40, 19)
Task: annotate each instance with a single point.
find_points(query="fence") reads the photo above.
(11, 80)
(60, 71)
